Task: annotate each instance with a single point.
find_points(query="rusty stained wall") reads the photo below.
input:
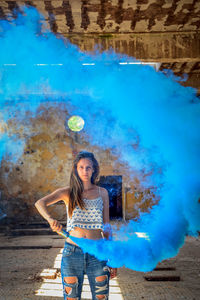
(158, 47)
(45, 165)
(139, 200)
(179, 52)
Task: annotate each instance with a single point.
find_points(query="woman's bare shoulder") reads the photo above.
(64, 190)
(103, 191)
(65, 193)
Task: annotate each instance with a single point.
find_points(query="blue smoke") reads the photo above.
(147, 119)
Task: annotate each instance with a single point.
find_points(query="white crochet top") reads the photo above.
(89, 218)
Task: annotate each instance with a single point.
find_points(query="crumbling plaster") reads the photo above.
(45, 165)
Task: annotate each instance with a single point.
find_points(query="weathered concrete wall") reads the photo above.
(45, 165)
(179, 52)
(159, 47)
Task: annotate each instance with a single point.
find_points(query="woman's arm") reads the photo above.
(108, 230)
(106, 216)
(41, 205)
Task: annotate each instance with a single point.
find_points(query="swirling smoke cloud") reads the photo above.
(122, 106)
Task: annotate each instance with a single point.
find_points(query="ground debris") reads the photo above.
(46, 274)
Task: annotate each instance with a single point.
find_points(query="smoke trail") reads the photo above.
(146, 118)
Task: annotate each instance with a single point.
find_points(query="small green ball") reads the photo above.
(76, 123)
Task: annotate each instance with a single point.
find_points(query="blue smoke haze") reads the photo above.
(145, 117)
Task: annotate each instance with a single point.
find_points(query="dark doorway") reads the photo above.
(113, 184)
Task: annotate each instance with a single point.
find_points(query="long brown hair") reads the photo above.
(76, 185)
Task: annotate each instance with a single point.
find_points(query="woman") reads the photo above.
(87, 213)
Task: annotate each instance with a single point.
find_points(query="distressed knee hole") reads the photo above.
(101, 287)
(101, 278)
(70, 280)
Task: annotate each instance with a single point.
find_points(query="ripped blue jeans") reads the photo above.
(75, 263)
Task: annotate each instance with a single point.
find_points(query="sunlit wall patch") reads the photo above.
(76, 123)
(3, 127)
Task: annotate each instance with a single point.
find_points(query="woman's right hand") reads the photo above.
(54, 224)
